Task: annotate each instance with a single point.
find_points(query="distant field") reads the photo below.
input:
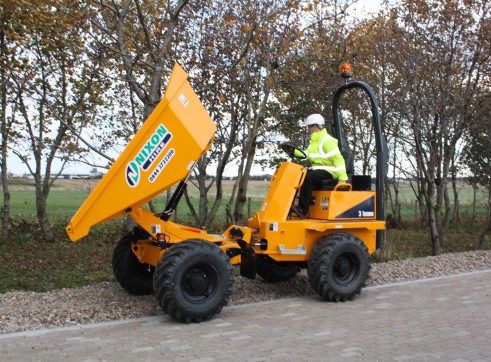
(66, 196)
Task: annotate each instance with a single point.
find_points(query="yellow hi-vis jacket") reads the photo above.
(324, 154)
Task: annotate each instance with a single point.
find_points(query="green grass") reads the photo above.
(60, 203)
(413, 240)
(26, 263)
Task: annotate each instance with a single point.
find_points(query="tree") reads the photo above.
(442, 62)
(55, 90)
(9, 17)
(223, 33)
(373, 41)
(276, 35)
(138, 36)
(235, 59)
(478, 153)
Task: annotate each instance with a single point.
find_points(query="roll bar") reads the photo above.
(380, 144)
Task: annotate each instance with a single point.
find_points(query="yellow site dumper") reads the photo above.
(191, 272)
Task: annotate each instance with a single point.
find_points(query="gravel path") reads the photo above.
(21, 311)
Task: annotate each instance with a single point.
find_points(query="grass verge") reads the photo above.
(26, 263)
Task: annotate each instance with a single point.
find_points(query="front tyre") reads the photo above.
(339, 267)
(193, 281)
(133, 276)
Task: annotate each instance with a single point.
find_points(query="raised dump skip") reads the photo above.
(162, 153)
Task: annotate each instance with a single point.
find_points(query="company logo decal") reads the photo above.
(161, 165)
(147, 155)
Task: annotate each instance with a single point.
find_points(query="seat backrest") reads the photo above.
(348, 160)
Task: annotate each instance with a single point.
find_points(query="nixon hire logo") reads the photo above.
(147, 155)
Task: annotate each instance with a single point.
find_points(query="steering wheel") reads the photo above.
(290, 151)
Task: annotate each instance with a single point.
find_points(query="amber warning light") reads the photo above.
(346, 70)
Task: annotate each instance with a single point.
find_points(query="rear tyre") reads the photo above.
(339, 267)
(193, 281)
(273, 271)
(134, 277)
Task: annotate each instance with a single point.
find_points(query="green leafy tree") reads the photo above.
(478, 154)
(222, 36)
(441, 63)
(139, 37)
(10, 16)
(55, 90)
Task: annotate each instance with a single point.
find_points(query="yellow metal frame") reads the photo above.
(293, 240)
(148, 252)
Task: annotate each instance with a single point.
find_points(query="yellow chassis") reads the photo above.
(273, 230)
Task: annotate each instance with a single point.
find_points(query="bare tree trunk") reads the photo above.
(420, 195)
(474, 201)
(435, 237)
(455, 189)
(428, 191)
(4, 130)
(5, 184)
(204, 216)
(42, 216)
(244, 180)
(423, 210)
(6, 197)
(231, 218)
(397, 202)
(6, 200)
(444, 216)
(488, 227)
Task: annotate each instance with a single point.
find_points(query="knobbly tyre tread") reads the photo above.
(322, 265)
(272, 271)
(131, 275)
(170, 280)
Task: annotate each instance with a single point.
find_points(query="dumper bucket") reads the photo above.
(162, 152)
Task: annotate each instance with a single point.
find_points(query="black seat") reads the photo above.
(326, 184)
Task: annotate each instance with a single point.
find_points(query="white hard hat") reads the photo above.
(314, 119)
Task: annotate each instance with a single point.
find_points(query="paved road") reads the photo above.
(446, 319)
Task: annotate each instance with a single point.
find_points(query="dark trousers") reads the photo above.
(312, 179)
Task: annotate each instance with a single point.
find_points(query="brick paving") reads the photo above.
(446, 319)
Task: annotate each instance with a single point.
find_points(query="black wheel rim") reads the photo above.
(346, 268)
(199, 282)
